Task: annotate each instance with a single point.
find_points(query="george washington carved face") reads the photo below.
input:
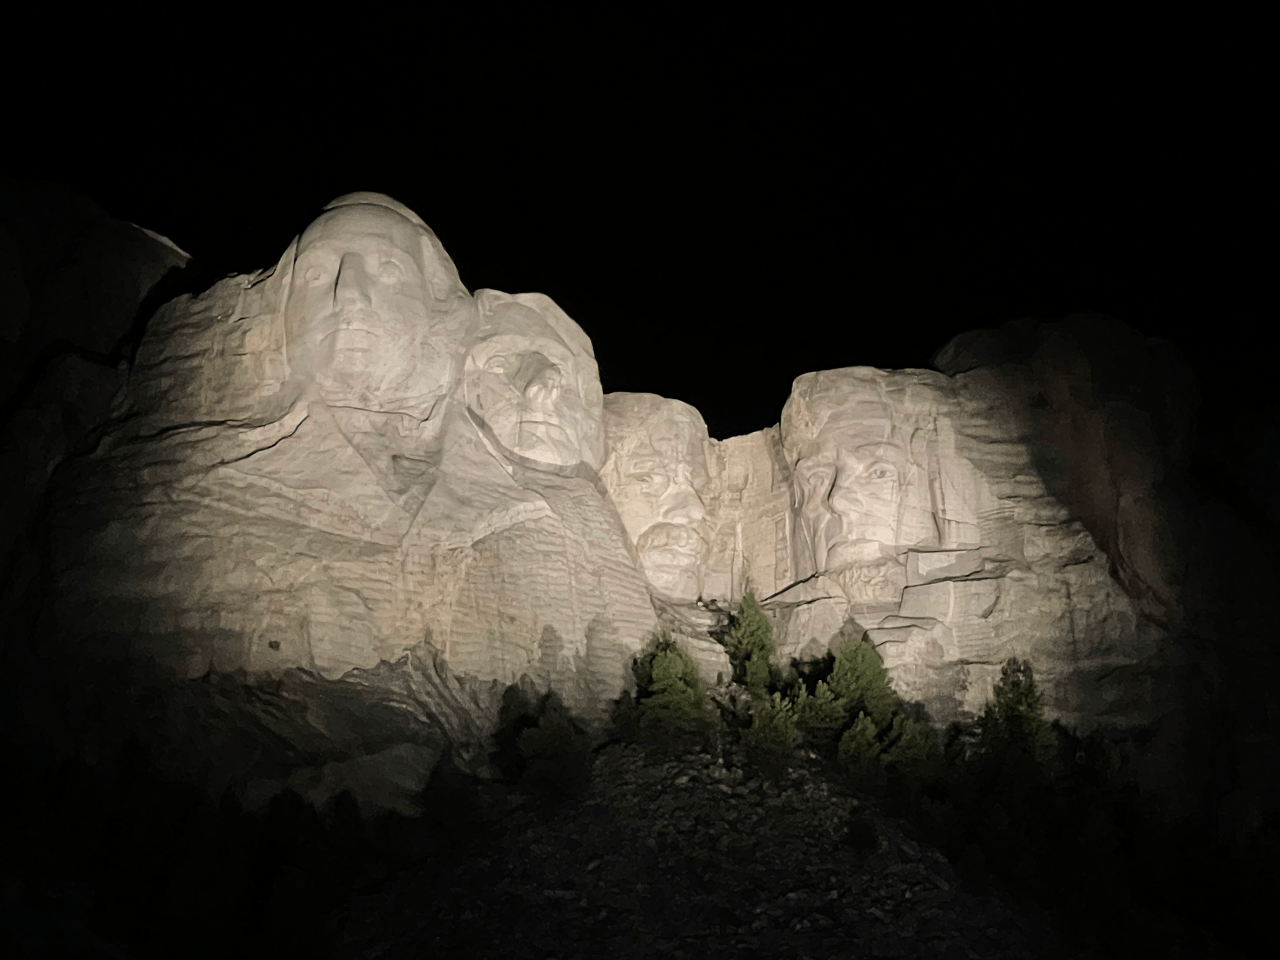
(367, 317)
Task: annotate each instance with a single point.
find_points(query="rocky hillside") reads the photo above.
(691, 858)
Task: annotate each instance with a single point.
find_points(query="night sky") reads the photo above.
(719, 232)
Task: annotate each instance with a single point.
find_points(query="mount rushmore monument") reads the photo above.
(349, 461)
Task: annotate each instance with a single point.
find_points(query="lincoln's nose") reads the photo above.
(845, 500)
(351, 287)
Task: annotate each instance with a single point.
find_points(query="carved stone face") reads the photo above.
(358, 319)
(656, 469)
(849, 492)
(859, 445)
(539, 397)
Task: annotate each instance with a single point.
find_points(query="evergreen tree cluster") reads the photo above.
(671, 713)
(852, 712)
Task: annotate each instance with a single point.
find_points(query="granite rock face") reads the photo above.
(324, 465)
(349, 467)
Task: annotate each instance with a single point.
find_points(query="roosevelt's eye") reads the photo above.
(390, 271)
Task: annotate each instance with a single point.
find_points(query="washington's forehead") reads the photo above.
(362, 223)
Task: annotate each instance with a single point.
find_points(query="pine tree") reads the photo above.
(557, 753)
(1016, 714)
(673, 703)
(820, 717)
(771, 739)
(751, 638)
(909, 742)
(757, 673)
(859, 747)
(859, 679)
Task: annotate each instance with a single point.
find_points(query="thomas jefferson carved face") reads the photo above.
(656, 469)
(360, 320)
(532, 383)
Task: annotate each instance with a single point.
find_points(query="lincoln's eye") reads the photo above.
(390, 271)
(818, 479)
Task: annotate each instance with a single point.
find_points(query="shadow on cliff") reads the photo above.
(122, 847)
(1126, 436)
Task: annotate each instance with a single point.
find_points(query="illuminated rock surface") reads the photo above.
(350, 468)
(326, 464)
(920, 515)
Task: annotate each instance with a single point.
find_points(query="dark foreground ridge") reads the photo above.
(690, 858)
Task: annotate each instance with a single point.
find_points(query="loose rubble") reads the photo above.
(692, 858)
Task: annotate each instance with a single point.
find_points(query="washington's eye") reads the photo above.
(312, 274)
(390, 271)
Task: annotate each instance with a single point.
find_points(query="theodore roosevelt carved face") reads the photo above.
(368, 317)
(655, 473)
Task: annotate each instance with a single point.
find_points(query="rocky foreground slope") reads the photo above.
(693, 859)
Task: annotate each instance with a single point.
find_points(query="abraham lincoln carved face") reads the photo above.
(859, 456)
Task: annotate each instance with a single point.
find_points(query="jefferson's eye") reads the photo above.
(390, 271)
(881, 472)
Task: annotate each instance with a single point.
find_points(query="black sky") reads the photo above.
(718, 230)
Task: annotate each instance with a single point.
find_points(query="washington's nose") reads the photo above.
(351, 287)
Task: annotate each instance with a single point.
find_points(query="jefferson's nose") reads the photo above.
(351, 287)
(544, 388)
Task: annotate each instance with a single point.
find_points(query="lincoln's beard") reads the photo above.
(669, 555)
(871, 581)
